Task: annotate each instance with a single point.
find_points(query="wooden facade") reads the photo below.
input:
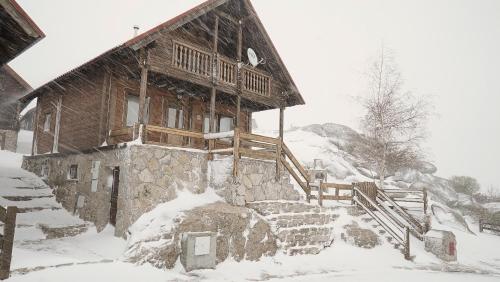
(190, 74)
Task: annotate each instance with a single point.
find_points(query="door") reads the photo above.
(114, 196)
(2, 141)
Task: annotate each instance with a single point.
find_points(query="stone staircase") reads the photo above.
(301, 228)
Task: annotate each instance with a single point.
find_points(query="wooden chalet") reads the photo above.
(169, 86)
(17, 33)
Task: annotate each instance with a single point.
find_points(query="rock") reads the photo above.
(231, 223)
(363, 238)
(146, 176)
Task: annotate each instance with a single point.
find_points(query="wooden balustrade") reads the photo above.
(191, 59)
(226, 71)
(256, 82)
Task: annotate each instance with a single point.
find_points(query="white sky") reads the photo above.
(448, 49)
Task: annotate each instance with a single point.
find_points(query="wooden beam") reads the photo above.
(213, 92)
(282, 122)
(143, 62)
(239, 82)
(236, 156)
(55, 144)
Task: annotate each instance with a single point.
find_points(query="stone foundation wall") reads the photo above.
(8, 140)
(154, 175)
(149, 175)
(96, 204)
(257, 181)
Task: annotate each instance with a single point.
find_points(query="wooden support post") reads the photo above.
(282, 122)
(407, 243)
(236, 152)
(480, 225)
(143, 62)
(425, 200)
(55, 144)
(239, 48)
(213, 91)
(337, 193)
(7, 242)
(36, 119)
(320, 193)
(279, 165)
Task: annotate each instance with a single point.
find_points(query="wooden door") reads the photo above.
(114, 196)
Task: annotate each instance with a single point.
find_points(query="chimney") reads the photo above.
(136, 30)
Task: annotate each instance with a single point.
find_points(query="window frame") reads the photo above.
(47, 122)
(72, 168)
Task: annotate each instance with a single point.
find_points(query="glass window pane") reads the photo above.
(171, 115)
(206, 124)
(132, 109)
(181, 119)
(225, 124)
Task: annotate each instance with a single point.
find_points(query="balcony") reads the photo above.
(197, 61)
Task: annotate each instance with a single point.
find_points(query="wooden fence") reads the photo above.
(8, 217)
(485, 225)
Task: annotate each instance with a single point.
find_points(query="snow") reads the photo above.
(99, 256)
(162, 217)
(219, 135)
(31, 105)
(24, 141)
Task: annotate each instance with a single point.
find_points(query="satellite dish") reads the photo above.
(252, 57)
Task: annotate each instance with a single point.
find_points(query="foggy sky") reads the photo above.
(449, 50)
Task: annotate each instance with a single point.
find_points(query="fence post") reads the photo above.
(236, 153)
(480, 225)
(7, 242)
(278, 158)
(407, 243)
(425, 200)
(320, 193)
(353, 193)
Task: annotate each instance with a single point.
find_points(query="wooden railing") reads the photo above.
(226, 71)
(8, 217)
(394, 226)
(196, 60)
(485, 225)
(256, 82)
(192, 59)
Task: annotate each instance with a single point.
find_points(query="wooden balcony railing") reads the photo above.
(256, 82)
(227, 71)
(192, 59)
(196, 60)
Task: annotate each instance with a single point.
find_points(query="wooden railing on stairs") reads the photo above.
(394, 226)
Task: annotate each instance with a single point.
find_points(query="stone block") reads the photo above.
(442, 244)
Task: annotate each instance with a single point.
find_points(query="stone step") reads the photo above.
(25, 198)
(60, 232)
(301, 228)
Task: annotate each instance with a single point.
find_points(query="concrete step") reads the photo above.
(60, 232)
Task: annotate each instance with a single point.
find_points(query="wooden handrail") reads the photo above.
(174, 131)
(414, 224)
(120, 132)
(404, 239)
(259, 138)
(304, 186)
(295, 162)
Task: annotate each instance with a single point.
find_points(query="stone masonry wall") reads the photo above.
(10, 142)
(96, 204)
(257, 181)
(154, 175)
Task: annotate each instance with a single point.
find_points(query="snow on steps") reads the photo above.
(301, 228)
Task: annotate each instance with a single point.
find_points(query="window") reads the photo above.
(175, 118)
(44, 171)
(132, 109)
(206, 124)
(73, 172)
(225, 124)
(46, 124)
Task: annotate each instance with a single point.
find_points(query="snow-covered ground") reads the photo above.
(93, 256)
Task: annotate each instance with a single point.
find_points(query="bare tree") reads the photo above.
(394, 121)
